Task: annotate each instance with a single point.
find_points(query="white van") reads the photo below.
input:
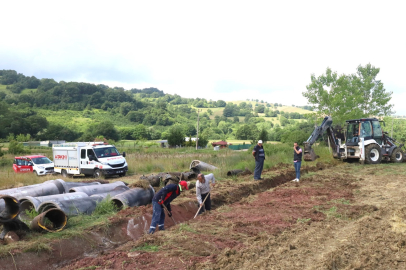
(95, 159)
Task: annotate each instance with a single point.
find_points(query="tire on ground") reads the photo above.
(397, 156)
(64, 173)
(373, 154)
(98, 174)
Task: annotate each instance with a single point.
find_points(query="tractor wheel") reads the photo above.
(397, 156)
(373, 154)
(64, 173)
(98, 174)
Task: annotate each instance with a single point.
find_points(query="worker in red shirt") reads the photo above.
(162, 199)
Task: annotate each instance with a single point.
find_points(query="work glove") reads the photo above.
(169, 213)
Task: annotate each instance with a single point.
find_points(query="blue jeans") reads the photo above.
(158, 217)
(297, 168)
(259, 165)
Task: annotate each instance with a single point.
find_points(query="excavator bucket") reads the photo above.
(309, 154)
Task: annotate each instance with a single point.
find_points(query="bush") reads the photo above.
(16, 148)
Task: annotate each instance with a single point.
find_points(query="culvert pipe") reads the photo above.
(134, 197)
(69, 185)
(95, 189)
(50, 187)
(10, 210)
(188, 175)
(72, 207)
(201, 166)
(117, 190)
(52, 220)
(29, 203)
(234, 172)
(11, 191)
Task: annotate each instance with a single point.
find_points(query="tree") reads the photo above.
(176, 136)
(221, 103)
(236, 119)
(140, 132)
(349, 96)
(263, 135)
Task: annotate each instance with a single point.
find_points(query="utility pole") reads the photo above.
(197, 134)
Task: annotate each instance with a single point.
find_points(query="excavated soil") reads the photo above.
(344, 217)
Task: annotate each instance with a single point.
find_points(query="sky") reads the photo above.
(230, 50)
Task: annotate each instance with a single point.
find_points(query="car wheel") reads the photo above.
(64, 173)
(122, 174)
(98, 174)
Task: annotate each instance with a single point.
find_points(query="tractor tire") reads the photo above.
(373, 154)
(64, 173)
(397, 156)
(98, 174)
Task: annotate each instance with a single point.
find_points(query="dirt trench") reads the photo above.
(133, 223)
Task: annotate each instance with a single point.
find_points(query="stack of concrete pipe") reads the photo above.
(55, 200)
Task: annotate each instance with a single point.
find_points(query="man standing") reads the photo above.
(162, 199)
(297, 160)
(259, 155)
(203, 189)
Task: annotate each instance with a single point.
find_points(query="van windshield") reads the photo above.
(41, 160)
(106, 152)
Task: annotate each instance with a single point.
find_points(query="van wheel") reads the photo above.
(373, 154)
(98, 174)
(64, 173)
(397, 156)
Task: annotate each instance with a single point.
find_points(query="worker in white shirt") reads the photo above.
(203, 189)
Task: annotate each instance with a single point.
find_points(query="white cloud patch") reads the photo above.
(228, 49)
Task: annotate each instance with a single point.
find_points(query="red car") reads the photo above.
(41, 165)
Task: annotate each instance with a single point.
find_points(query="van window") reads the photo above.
(83, 153)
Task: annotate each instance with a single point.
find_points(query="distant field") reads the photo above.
(219, 111)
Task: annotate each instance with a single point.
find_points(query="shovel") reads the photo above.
(202, 204)
(167, 211)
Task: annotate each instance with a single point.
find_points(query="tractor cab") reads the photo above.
(366, 128)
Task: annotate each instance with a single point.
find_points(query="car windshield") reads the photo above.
(106, 152)
(41, 160)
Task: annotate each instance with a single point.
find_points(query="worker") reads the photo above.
(297, 160)
(259, 155)
(162, 199)
(203, 191)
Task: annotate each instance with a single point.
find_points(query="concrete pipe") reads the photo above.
(29, 203)
(134, 197)
(154, 180)
(72, 207)
(201, 166)
(52, 220)
(11, 191)
(95, 189)
(234, 172)
(111, 193)
(69, 185)
(11, 208)
(188, 175)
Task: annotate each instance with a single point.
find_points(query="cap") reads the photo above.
(183, 184)
(260, 141)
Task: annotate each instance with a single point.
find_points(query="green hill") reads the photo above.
(46, 109)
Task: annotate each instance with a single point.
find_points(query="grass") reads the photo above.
(146, 247)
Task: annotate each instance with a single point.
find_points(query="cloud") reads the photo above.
(227, 49)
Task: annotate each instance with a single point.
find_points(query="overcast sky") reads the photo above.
(231, 50)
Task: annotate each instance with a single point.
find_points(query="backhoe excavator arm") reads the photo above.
(309, 154)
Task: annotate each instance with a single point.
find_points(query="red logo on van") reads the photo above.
(61, 157)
